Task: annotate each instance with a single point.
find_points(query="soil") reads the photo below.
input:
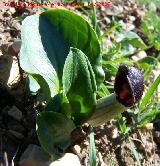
(19, 130)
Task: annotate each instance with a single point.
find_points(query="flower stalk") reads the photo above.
(129, 86)
(107, 109)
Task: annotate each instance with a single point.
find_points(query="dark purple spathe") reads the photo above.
(132, 79)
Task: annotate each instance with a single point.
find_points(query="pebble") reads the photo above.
(16, 47)
(14, 73)
(5, 66)
(15, 126)
(139, 55)
(157, 136)
(115, 133)
(131, 18)
(152, 7)
(114, 10)
(5, 110)
(34, 154)
(15, 113)
(77, 149)
(68, 159)
(129, 26)
(12, 10)
(149, 126)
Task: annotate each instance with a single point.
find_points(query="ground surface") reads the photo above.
(17, 116)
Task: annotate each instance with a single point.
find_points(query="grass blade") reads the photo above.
(150, 92)
(92, 148)
(135, 154)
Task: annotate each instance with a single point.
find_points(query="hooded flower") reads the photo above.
(129, 85)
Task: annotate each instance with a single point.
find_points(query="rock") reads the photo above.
(68, 159)
(139, 13)
(5, 110)
(9, 68)
(115, 133)
(131, 18)
(14, 73)
(139, 55)
(114, 10)
(101, 162)
(12, 10)
(5, 67)
(152, 7)
(15, 47)
(34, 156)
(149, 126)
(157, 136)
(15, 126)
(77, 149)
(129, 27)
(5, 97)
(15, 113)
(16, 134)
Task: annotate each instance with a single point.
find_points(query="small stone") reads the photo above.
(115, 133)
(149, 148)
(149, 126)
(34, 156)
(14, 73)
(16, 134)
(15, 113)
(139, 55)
(16, 47)
(114, 10)
(139, 13)
(12, 10)
(157, 136)
(86, 143)
(68, 159)
(5, 66)
(5, 110)
(129, 27)
(152, 7)
(77, 149)
(131, 18)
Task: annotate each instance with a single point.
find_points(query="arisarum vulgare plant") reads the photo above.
(129, 86)
(61, 54)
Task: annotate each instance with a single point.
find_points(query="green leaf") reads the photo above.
(149, 60)
(43, 84)
(148, 115)
(46, 42)
(54, 104)
(150, 92)
(92, 148)
(32, 85)
(54, 131)
(79, 85)
(121, 124)
(131, 38)
(147, 32)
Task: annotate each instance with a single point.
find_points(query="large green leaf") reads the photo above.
(79, 85)
(54, 131)
(46, 42)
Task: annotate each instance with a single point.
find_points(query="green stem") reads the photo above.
(107, 108)
(94, 16)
